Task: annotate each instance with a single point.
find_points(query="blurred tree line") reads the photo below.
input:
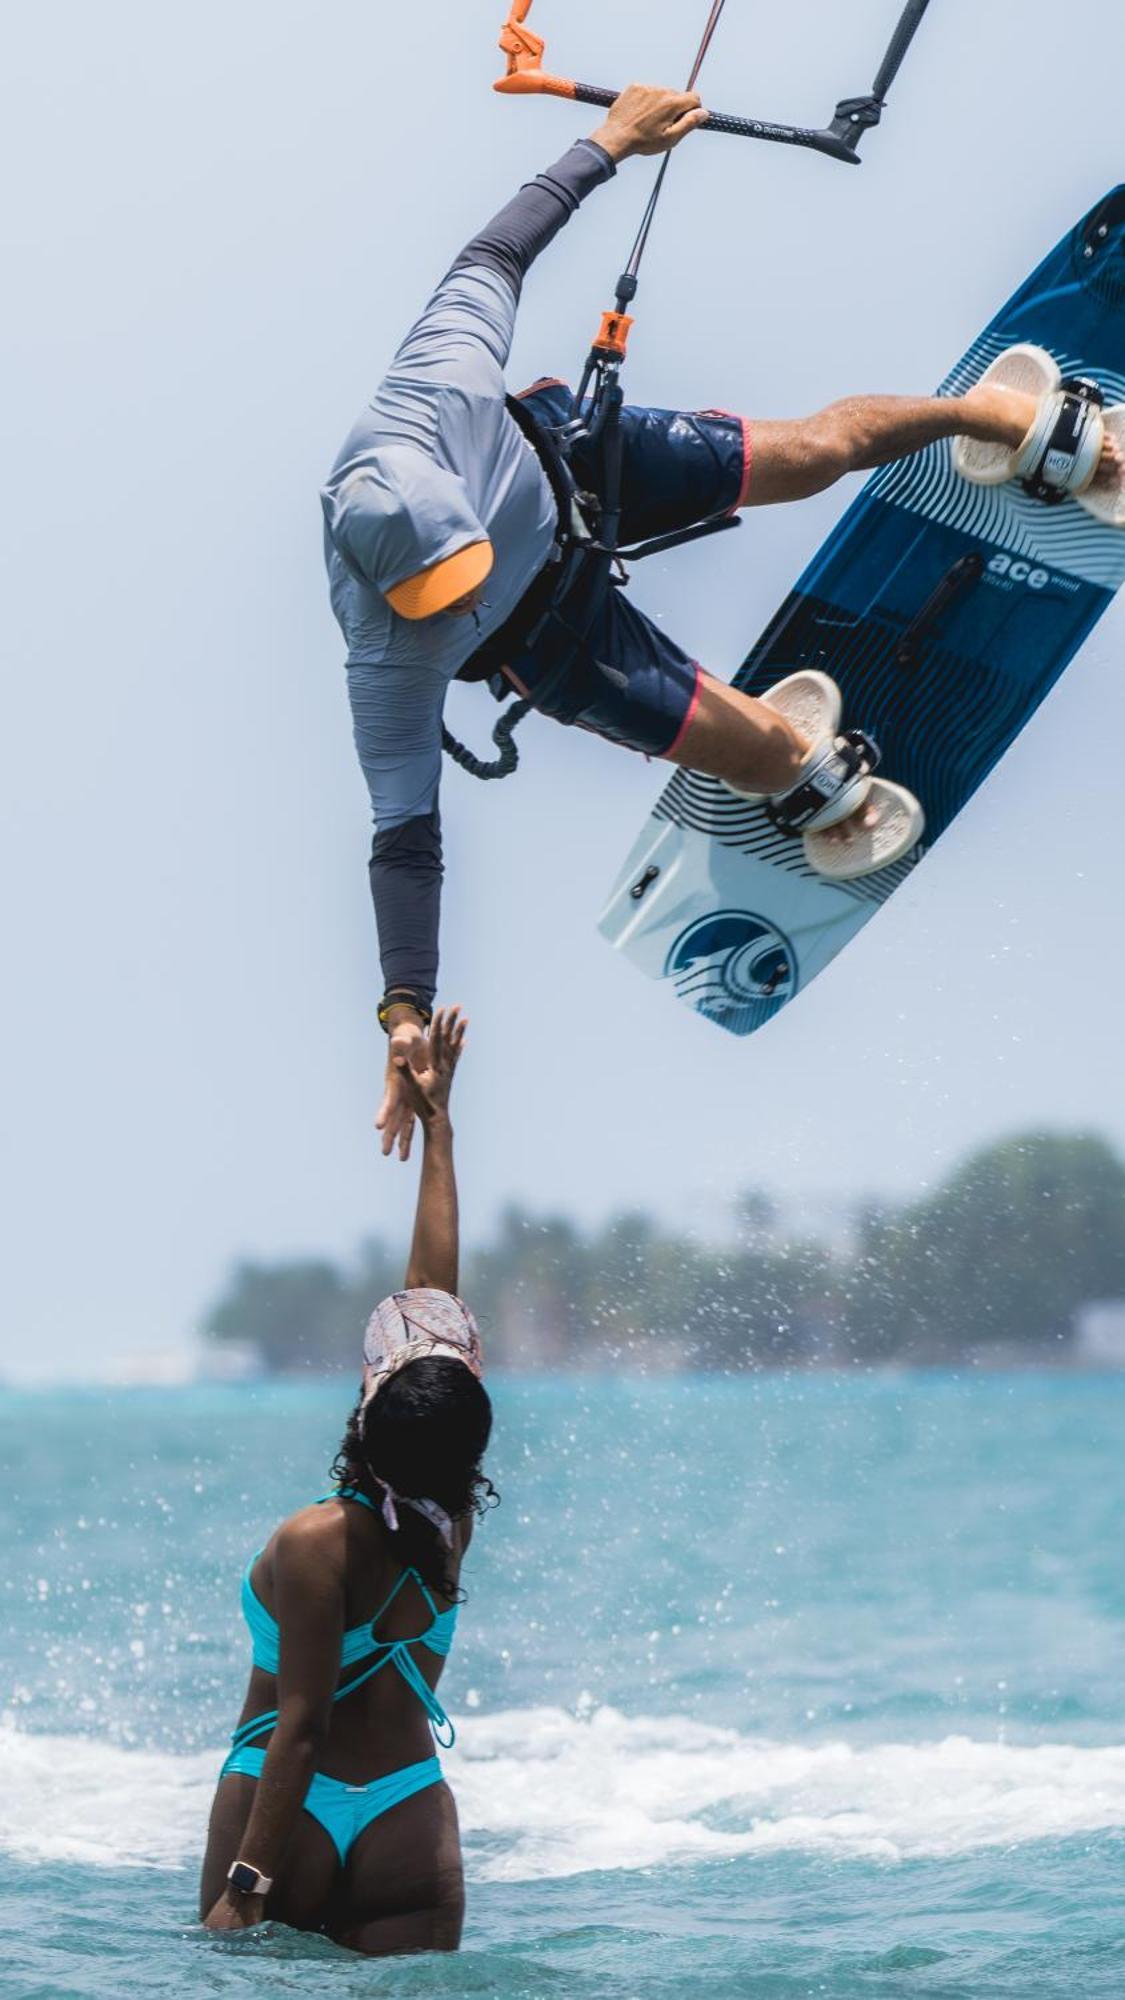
(998, 1260)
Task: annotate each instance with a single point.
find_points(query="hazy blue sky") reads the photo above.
(220, 220)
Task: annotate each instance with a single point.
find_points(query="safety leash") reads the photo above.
(508, 760)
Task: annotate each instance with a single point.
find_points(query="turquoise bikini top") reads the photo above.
(359, 1644)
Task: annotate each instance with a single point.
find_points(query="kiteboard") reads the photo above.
(946, 611)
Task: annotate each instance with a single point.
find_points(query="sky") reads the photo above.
(221, 221)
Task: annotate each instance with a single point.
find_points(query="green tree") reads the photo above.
(293, 1313)
(1019, 1237)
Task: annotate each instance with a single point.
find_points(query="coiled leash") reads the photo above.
(508, 760)
(586, 563)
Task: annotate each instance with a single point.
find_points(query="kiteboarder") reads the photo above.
(466, 535)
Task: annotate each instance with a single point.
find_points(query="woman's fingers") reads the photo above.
(447, 1037)
(437, 1037)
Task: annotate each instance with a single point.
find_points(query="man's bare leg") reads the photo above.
(738, 739)
(741, 741)
(793, 459)
(732, 736)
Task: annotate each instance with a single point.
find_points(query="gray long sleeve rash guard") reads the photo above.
(435, 462)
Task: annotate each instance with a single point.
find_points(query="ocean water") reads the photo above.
(805, 1686)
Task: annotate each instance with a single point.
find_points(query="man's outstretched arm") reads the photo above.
(644, 121)
(464, 336)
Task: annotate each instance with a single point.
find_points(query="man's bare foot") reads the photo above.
(844, 833)
(1111, 470)
(997, 415)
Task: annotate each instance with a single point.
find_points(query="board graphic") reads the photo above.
(946, 612)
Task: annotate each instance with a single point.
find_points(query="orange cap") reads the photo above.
(435, 589)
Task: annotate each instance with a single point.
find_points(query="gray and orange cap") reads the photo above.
(406, 524)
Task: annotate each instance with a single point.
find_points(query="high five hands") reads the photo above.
(428, 1081)
(419, 1076)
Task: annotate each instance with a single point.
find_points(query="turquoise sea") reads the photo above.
(779, 1686)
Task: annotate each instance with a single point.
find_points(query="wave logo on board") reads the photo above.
(735, 967)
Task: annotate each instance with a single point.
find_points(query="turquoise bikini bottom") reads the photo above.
(344, 1810)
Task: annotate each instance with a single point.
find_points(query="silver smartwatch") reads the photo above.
(248, 1881)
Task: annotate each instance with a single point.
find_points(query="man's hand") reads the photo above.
(427, 1082)
(647, 120)
(234, 1912)
(407, 1044)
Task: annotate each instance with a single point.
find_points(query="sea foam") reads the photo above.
(544, 1794)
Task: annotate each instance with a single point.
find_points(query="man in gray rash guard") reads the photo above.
(437, 493)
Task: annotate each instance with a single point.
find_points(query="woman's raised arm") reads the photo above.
(434, 1252)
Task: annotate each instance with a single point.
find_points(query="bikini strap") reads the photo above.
(405, 1577)
(348, 1493)
(256, 1726)
(388, 1652)
(397, 1653)
(353, 1493)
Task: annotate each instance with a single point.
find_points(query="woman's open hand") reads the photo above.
(427, 1080)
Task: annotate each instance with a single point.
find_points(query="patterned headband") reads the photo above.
(411, 1325)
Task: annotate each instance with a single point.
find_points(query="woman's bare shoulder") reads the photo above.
(312, 1536)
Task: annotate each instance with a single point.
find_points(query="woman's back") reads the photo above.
(395, 1632)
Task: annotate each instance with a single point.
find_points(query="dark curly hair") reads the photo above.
(425, 1433)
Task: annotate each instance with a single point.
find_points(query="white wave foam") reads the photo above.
(73, 1798)
(546, 1794)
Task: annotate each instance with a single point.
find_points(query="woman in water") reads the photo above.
(331, 1813)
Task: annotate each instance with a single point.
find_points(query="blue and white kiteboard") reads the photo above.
(946, 611)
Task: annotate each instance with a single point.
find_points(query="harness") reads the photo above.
(586, 559)
(559, 610)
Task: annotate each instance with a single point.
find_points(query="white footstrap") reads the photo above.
(1064, 447)
(1031, 371)
(833, 785)
(839, 768)
(811, 704)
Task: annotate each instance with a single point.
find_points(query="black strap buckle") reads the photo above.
(1080, 394)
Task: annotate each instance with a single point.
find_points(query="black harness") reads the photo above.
(576, 527)
(557, 613)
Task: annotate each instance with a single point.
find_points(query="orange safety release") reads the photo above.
(613, 334)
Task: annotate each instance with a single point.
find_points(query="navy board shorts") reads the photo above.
(630, 682)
